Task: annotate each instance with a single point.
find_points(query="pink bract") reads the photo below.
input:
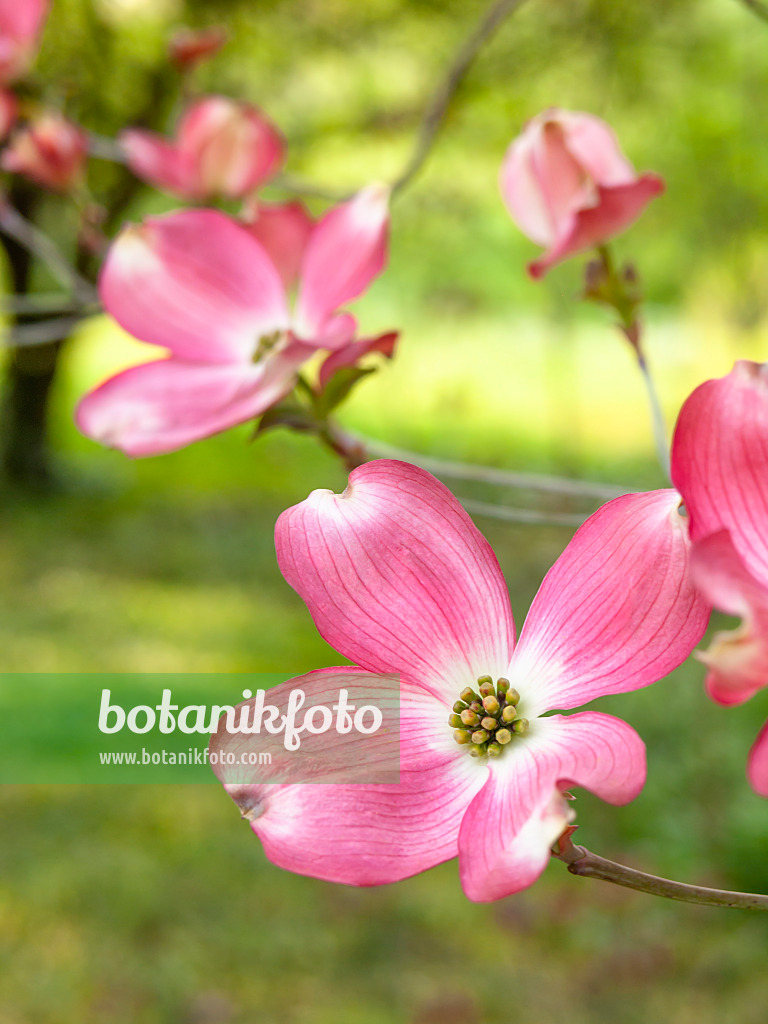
(222, 148)
(568, 186)
(284, 229)
(200, 286)
(720, 466)
(400, 581)
(21, 22)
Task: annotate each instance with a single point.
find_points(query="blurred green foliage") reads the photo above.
(155, 905)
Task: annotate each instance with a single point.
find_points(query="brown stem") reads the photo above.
(581, 861)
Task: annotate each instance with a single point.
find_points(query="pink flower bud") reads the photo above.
(51, 151)
(21, 22)
(189, 47)
(568, 186)
(222, 149)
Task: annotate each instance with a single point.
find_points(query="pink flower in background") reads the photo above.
(21, 22)
(568, 186)
(399, 580)
(284, 229)
(720, 466)
(200, 286)
(50, 151)
(222, 149)
(189, 47)
(9, 109)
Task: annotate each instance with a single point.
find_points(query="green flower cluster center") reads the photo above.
(486, 719)
(266, 344)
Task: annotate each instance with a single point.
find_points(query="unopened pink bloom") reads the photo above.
(399, 580)
(21, 22)
(200, 286)
(222, 149)
(568, 186)
(720, 466)
(8, 112)
(189, 47)
(51, 151)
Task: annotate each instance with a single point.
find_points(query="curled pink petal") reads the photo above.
(617, 611)
(737, 659)
(614, 210)
(398, 578)
(369, 834)
(568, 186)
(346, 251)
(594, 145)
(720, 461)
(509, 828)
(284, 230)
(162, 406)
(757, 765)
(196, 283)
(156, 160)
(350, 354)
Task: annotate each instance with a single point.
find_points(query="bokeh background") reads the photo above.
(156, 904)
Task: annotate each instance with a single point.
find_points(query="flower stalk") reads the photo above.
(618, 289)
(583, 862)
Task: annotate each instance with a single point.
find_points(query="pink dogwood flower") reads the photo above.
(222, 149)
(50, 151)
(568, 186)
(198, 285)
(399, 580)
(720, 467)
(284, 229)
(21, 22)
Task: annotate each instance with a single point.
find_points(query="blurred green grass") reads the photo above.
(156, 904)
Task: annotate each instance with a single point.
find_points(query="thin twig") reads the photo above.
(438, 105)
(608, 285)
(45, 249)
(581, 861)
(42, 332)
(491, 475)
(527, 516)
(105, 148)
(435, 111)
(38, 302)
(757, 7)
(661, 440)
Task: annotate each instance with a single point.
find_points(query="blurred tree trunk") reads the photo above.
(24, 450)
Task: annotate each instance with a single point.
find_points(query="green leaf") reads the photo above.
(339, 387)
